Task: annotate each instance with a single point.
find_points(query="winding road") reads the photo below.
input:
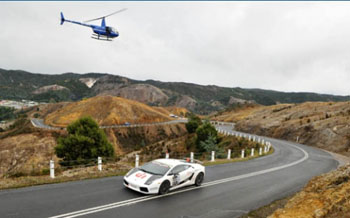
(229, 190)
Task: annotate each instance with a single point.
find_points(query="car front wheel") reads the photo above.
(164, 187)
(199, 179)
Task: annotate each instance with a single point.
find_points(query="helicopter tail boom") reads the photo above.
(62, 18)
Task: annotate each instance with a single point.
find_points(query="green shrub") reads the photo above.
(84, 143)
(205, 132)
(193, 123)
(209, 144)
(45, 171)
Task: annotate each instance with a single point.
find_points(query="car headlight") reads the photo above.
(131, 172)
(152, 179)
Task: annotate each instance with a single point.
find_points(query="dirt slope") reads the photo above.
(26, 150)
(179, 111)
(322, 124)
(106, 110)
(327, 195)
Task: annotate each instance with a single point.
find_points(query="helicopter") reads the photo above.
(102, 32)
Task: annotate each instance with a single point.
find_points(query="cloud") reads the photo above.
(287, 46)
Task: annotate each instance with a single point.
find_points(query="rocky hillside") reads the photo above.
(322, 124)
(324, 196)
(17, 85)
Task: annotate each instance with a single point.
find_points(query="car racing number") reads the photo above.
(141, 175)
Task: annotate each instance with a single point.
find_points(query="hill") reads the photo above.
(322, 124)
(26, 150)
(17, 85)
(324, 196)
(107, 110)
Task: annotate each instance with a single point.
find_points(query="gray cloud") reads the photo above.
(287, 46)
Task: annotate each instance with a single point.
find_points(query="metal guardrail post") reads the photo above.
(99, 163)
(52, 169)
(137, 159)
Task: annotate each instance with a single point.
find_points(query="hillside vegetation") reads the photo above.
(17, 85)
(107, 110)
(322, 124)
(25, 150)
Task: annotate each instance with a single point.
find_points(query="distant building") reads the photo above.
(18, 104)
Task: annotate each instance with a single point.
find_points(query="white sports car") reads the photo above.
(162, 175)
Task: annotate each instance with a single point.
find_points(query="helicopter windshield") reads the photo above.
(114, 30)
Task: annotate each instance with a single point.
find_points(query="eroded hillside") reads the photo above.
(322, 124)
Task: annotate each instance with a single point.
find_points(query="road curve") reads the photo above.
(39, 123)
(229, 190)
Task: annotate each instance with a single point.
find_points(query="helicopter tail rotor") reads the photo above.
(62, 18)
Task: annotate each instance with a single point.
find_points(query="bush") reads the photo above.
(7, 113)
(209, 144)
(85, 141)
(193, 123)
(45, 171)
(203, 132)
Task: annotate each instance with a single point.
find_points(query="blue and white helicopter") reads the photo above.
(102, 32)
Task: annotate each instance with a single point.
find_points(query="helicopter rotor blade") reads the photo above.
(121, 10)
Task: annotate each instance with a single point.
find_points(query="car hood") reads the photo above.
(139, 177)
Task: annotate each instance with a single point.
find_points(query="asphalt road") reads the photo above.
(229, 190)
(39, 123)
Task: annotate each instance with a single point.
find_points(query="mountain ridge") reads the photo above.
(202, 99)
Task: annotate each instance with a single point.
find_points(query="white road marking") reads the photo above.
(147, 198)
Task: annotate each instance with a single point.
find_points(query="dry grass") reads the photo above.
(179, 111)
(225, 161)
(26, 181)
(327, 195)
(106, 110)
(26, 153)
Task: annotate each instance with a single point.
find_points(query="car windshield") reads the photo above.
(155, 168)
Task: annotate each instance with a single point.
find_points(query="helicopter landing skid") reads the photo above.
(103, 39)
(100, 37)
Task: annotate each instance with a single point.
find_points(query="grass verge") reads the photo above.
(225, 161)
(93, 173)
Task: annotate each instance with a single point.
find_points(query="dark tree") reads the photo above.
(193, 123)
(85, 141)
(203, 132)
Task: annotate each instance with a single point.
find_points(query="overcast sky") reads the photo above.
(285, 46)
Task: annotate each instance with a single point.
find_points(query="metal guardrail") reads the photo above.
(39, 123)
